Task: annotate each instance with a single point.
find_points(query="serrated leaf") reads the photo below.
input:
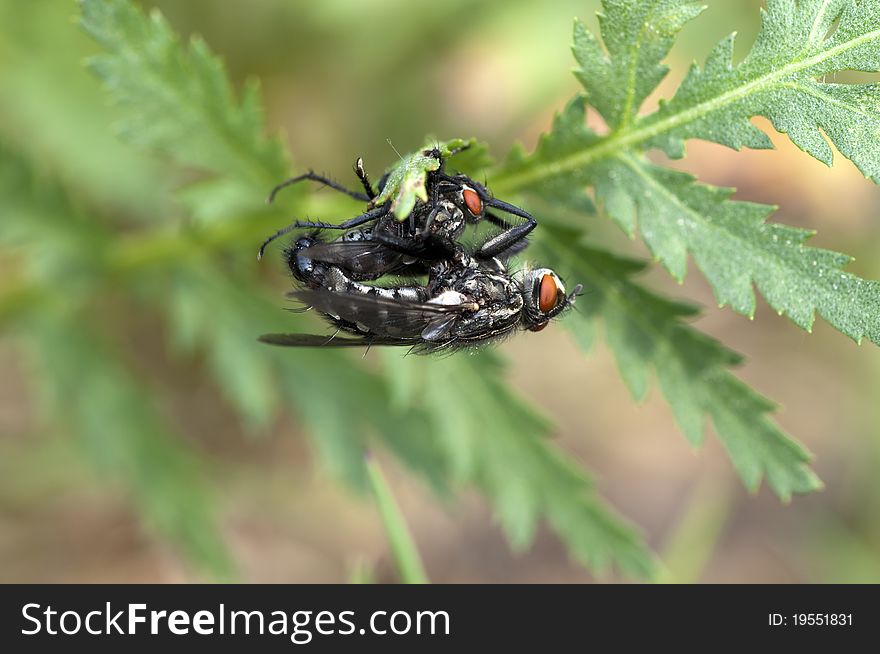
(734, 247)
(782, 79)
(730, 241)
(55, 119)
(495, 441)
(638, 35)
(179, 101)
(647, 335)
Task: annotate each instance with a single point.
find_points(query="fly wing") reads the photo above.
(359, 257)
(316, 340)
(381, 315)
(439, 327)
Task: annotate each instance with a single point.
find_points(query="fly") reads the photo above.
(430, 230)
(467, 301)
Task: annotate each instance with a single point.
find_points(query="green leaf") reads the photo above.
(647, 333)
(492, 439)
(179, 102)
(56, 120)
(734, 246)
(406, 179)
(36, 210)
(730, 241)
(638, 36)
(781, 78)
(84, 388)
(88, 393)
(341, 402)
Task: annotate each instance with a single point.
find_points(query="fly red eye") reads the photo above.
(548, 294)
(472, 201)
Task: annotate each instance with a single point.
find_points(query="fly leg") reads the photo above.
(365, 180)
(509, 237)
(372, 214)
(312, 175)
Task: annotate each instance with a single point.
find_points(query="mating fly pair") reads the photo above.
(412, 227)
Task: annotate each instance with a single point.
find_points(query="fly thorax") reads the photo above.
(358, 235)
(449, 221)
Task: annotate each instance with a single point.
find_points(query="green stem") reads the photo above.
(695, 538)
(131, 255)
(403, 548)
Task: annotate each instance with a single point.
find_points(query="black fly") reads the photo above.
(468, 300)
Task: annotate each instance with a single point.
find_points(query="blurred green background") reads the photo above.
(339, 78)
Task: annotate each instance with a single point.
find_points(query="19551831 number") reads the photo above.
(822, 619)
(811, 620)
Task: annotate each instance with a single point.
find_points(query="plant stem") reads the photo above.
(695, 538)
(403, 549)
(132, 255)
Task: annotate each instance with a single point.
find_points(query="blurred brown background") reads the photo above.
(339, 78)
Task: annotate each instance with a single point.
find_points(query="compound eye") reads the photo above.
(548, 294)
(472, 201)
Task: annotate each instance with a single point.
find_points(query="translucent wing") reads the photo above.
(317, 340)
(358, 257)
(382, 316)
